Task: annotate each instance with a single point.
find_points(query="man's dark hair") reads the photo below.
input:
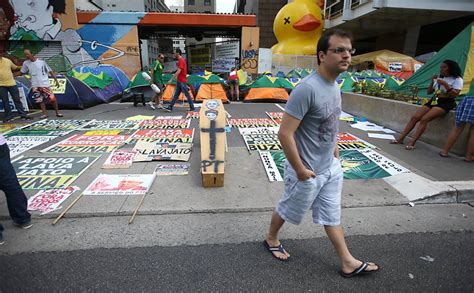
(59, 6)
(178, 51)
(453, 68)
(323, 43)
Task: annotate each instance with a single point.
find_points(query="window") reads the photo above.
(207, 2)
(191, 2)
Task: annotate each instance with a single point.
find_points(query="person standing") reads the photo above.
(313, 173)
(181, 82)
(8, 85)
(16, 199)
(234, 84)
(157, 78)
(39, 70)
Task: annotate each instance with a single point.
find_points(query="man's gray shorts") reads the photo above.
(322, 194)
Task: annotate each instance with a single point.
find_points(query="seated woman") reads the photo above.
(446, 88)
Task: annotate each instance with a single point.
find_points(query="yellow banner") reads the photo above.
(61, 89)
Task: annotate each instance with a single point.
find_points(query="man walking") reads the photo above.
(181, 82)
(8, 85)
(16, 198)
(157, 78)
(313, 173)
(39, 70)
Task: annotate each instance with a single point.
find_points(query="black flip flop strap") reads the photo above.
(277, 248)
(361, 268)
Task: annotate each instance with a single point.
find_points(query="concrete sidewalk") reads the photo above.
(247, 188)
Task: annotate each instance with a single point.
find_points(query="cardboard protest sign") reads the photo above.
(120, 184)
(88, 144)
(42, 172)
(273, 162)
(103, 132)
(192, 115)
(111, 124)
(368, 164)
(257, 130)
(47, 201)
(262, 142)
(119, 160)
(6, 127)
(157, 151)
(48, 127)
(172, 169)
(164, 135)
(164, 123)
(170, 117)
(347, 141)
(275, 116)
(251, 122)
(20, 144)
(61, 89)
(139, 117)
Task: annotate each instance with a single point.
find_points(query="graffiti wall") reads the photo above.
(50, 30)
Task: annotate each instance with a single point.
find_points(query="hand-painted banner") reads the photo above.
(367, 164)
(192, 115)
(111, 124)
(57, 125)
(172, 169)
(50, 172)
(103, 132)
(262, 142)
(139, 117)
(165, 123)
(251, 122)
(4, 128)
(121, 184)
(152, 151)
(275, 116)
(164, 135)
(347, 141)
(61, 89)
(259, 130)
(170, 117)
(47, 201)
(119, 160)
(20, 144)
(88, 144)
(274, 164)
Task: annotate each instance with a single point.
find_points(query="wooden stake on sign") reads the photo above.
(212, 119)
(136, 210)
(67, 209)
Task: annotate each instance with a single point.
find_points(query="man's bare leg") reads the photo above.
(272, 236)
(43, 109)
(348, 262)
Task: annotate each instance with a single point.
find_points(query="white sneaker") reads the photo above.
(152, 105)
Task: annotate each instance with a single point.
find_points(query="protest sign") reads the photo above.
(172, 169)
(111, 124)
(103, 132)
(257, 130)
(251, 122)
(275, 116)
(192, 115)
(273, 162)
(119, 160)
(165, 123)
(88, 144)
(262, 142)
(6, 127)
(120, 184)
(139, 117)
(47, 201)
(347, 141)
(48, 127)
(164, 135)
(368, 164)
(42, 172)
(153, 151)
(20, 144)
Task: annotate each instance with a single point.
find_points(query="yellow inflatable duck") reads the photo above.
(298, 27)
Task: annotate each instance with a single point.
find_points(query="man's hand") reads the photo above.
(305, 174)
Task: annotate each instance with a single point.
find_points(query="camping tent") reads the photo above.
(76, 94)
(210, 86)
(104, 86)
(168, 91)
(299, 72)
(389, 62)
(112, 71)
(459, 49)
(138, 85)
(267, 88)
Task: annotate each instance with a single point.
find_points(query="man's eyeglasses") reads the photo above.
(341, 50)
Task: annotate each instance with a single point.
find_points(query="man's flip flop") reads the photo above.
(395, 142)
(410, 147)
(59, 115)
(359, 271)
(272, 249)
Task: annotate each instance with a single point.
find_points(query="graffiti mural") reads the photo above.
(50, 29)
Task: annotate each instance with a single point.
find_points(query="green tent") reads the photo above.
(393, 82)
(461, 50)
(101, 80)
(346, 84)
(265, 81)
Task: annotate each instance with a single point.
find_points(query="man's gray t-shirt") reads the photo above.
(317, 103)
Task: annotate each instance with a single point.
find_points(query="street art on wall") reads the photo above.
(50, 29)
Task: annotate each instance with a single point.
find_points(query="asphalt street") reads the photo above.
(428, 264)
